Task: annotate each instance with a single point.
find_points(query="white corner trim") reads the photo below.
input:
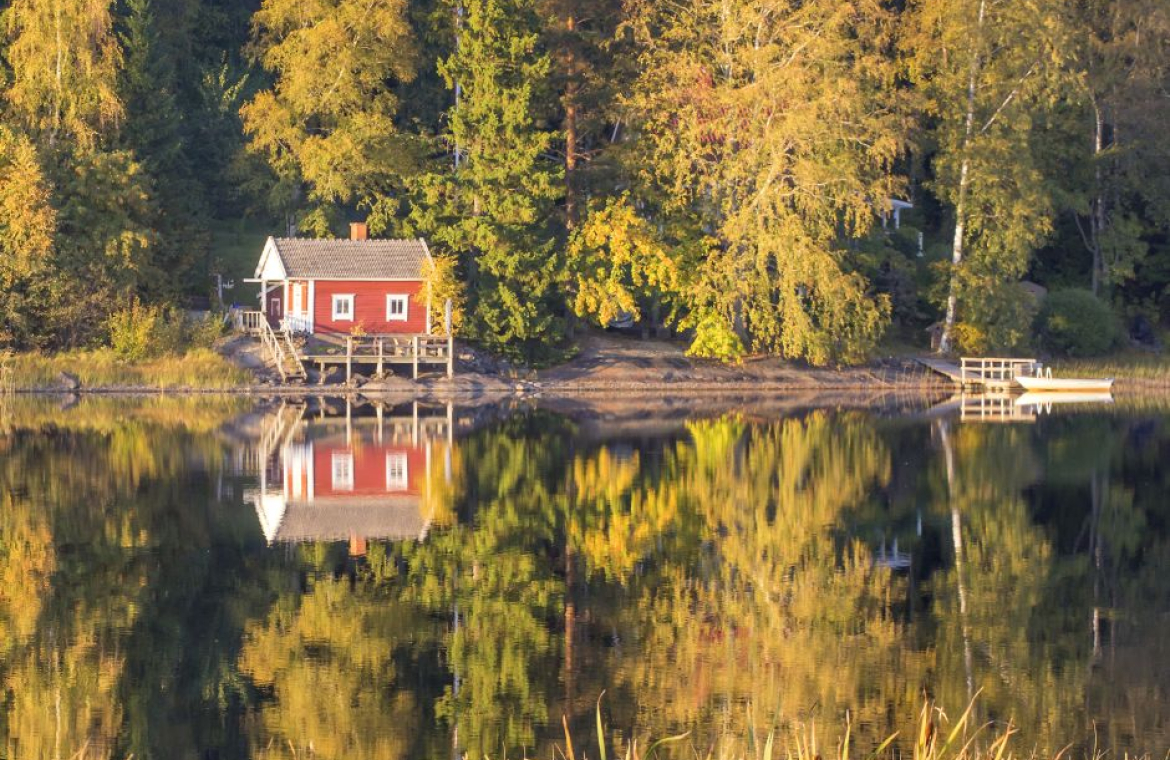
(270, 266)
(312, 304)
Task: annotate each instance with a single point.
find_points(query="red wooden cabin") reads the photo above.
(336, 286)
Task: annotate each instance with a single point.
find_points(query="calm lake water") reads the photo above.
(189, 578)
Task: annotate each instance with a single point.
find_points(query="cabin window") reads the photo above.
(298, 303)
(396, 307)
(343, 308)
(342, 471)
(396, 472)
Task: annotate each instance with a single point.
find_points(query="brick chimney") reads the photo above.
(357, 231)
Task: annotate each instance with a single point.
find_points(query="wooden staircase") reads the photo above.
(282, 352)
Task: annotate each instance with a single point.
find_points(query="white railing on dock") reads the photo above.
(994, 371)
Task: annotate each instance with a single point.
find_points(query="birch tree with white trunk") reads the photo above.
(986, 69)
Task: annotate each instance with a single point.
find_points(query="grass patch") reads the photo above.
(1150, 369)
(197, 368)
(235, 246)
(933, 737)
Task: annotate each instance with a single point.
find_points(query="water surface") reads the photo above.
(191, 578)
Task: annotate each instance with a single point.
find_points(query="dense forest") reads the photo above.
(721, 168)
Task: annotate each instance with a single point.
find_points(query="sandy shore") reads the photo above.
(609, 366)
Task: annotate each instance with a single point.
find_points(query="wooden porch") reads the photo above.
(290, 351)
(380, 352)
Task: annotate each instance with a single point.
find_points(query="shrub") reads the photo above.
(714, 339)
(205, 331)
(139, 332)
(1074, 322)
(997, 318)
(133, 331)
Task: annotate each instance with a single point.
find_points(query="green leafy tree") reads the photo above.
(326, 128)
(1120, 68)
(986, 70)
(777, 123)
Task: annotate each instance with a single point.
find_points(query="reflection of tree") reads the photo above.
(716, 580)
(780, 592)
(93, 499)
(989, 638)
(492, 578)
(325, 657)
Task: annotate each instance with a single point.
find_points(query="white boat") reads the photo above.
(1047, 399)
(1064, 384)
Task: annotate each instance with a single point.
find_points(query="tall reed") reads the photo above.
(933, 738)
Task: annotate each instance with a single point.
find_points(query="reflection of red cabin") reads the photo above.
(333, 489)
(337, 470)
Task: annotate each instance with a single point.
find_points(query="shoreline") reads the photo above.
(476, 386)
(605, 365)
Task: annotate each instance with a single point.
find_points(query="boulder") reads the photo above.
(66, 382)
(390, 384)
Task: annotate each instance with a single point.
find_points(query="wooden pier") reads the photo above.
(290, 352)
(982, 372)
(381, 351)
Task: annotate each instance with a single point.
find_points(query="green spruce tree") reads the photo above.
(492, 199)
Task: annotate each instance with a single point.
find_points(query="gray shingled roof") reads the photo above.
(352, 259)
(338, 518)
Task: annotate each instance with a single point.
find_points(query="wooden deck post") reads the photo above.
(414, 345)
(379, 357)
(348, 358)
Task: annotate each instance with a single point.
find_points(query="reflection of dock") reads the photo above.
(993, 407)
(983, 407)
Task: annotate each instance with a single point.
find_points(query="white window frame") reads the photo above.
(342, 297)
(397, 471)
(298, 299)
(394, 298)
(341, 467)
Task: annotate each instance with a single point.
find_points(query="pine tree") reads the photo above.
(153, 131)
(27, 227)
(495, 206)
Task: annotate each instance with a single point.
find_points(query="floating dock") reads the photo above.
(988, 373)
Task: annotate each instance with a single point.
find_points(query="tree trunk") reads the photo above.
(57, 80)
(1097, 205)
(570, 101)
(944, 344)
